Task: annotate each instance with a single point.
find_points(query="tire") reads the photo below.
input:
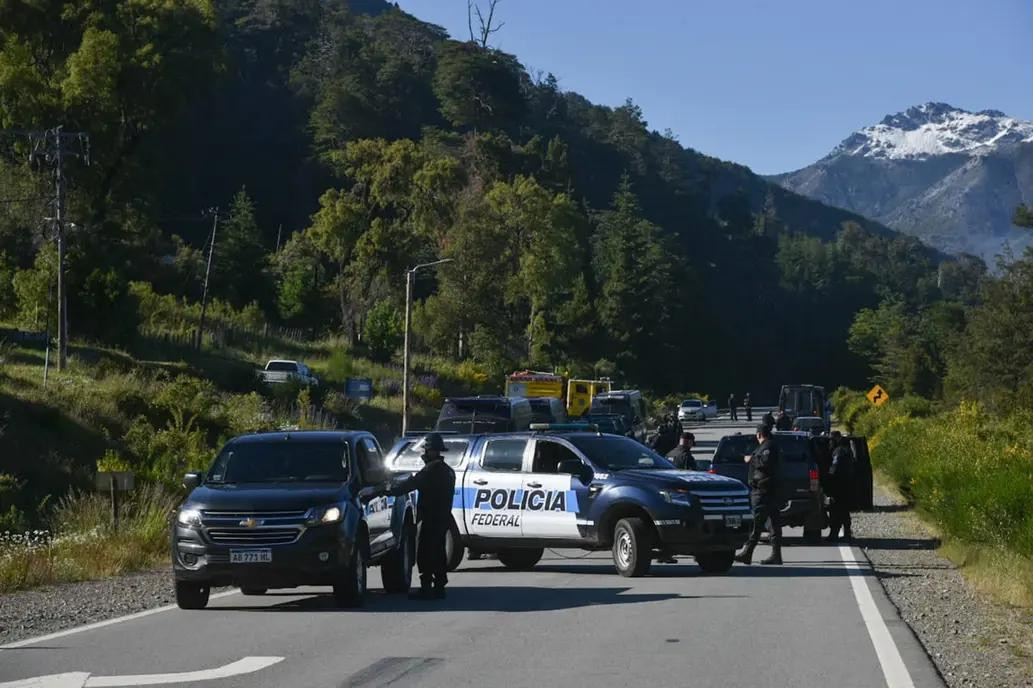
(632, 547)
(520, 559)
(191, 595)
(716, 562)
(351, 590)
(454, 549)
(396, 570)
(253, 591)
(811, 536)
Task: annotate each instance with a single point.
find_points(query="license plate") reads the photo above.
(733, 521)
(251, 556)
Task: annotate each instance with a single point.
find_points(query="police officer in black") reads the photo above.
(681, 456)
(839, 485)
(768, 420)
(765, 465)
(436, 483)
(747, 404)
(734, 415)
(784, 421)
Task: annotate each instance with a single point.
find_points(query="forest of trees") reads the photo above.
(343, 146)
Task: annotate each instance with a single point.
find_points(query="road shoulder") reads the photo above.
(971, 640)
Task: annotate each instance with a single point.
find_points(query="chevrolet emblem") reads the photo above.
(250, 523)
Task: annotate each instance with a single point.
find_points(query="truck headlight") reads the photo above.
(189, 517)
(329, 514)
(677, 495)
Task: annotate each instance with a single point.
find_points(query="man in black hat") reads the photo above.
(681, 456)
(762, 478)
(435, 483)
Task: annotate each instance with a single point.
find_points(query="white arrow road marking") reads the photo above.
(248, 665)
(893, 668)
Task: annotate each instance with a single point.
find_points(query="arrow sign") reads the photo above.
(247, 665)
(877, 395)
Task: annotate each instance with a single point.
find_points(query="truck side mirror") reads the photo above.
(191, 480)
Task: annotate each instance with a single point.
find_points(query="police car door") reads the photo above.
(378, 511)
(552, 501)
(492, 488)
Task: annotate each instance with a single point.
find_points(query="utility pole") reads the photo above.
(207, 275)
(410, 277)
(51, 147)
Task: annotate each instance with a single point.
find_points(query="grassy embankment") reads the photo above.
(969, 474)
(159, 410)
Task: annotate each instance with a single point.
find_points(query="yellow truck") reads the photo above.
(579, 393)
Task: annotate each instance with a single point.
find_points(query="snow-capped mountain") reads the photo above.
(946, 175)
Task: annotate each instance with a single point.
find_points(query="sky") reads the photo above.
(774, 85)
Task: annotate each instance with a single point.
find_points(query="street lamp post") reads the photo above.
(410, 276)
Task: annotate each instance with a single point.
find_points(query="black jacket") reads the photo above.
(764, 469)
(682, 458)
(436, 483)
(841, 472)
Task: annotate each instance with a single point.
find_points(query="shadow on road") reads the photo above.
(480, 599)
(897, 543)
(889, 508)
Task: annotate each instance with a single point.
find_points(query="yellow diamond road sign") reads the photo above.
(878, 395)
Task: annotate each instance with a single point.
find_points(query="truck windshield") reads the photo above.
(282, 367)
(692, 403)
(289, 461)
(616, 453)
(617, 406)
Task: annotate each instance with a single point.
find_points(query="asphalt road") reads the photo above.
(818, 620)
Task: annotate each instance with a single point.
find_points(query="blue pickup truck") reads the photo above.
(281, 509)
(564, 486)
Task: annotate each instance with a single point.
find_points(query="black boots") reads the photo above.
(746, 555)
(776, 553)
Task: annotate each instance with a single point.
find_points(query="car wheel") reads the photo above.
(396, 571)
(350, 591)
(191, 595)
(454, 549)
(716, 562)
(811, 536)
(253, 591)
(632, 547)
(520, 559)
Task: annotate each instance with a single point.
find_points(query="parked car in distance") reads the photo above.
(696, 409)
(547, 410)
(809, 424)
(484, 414)
(278, 371)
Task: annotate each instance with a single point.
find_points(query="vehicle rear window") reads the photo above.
(504, 455)
(733, 449)
(691, 404)
(616, 453)
(794, 449)
(467, 407)
(284, 461)
(410, 456)
(281, 367)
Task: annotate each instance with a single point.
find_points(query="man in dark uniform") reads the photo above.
(731, 407)
(666, 437)
(840, 484)
(768, 420)
(436, 483)
(765, 464)
(747, 404)
(783, 422)
(681, 456)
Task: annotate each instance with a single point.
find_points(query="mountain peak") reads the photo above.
(931, 129)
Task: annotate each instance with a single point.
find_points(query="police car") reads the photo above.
(572, 486)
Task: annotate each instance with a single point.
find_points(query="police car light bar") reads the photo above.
(564, 427)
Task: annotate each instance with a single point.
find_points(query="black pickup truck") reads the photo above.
(280, 510)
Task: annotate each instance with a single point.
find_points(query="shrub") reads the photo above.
(383, 331)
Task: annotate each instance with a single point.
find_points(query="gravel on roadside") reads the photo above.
(54, 608)
(972, 640)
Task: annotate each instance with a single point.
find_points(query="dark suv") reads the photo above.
(799, 484)
(280, 510)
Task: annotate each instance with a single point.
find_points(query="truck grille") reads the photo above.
(253, 536)
(732, 501)
(258, 515)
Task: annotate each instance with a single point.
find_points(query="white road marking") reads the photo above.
(893, 668)
(101, 624)
(248, 665)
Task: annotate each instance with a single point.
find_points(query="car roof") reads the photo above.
(327, 436)
(281, 360)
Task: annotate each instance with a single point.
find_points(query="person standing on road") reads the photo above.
(747, 404)
(731, 407)
(765, 465)
(681, 456)
(840, 484)
(435, 483)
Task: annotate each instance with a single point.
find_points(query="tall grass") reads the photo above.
(969, 472)
(83, 544)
